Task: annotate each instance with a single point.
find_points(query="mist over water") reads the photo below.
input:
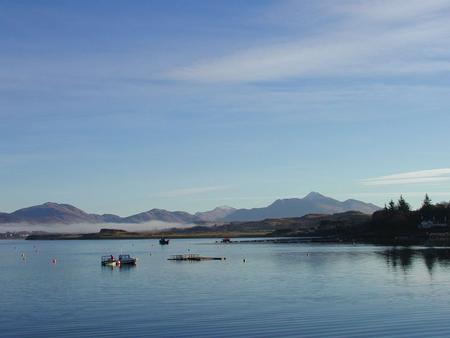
(82, 228)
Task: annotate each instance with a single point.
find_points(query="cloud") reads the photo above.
(412, 177)
(194, 191)
(372, 38)
(395, 10)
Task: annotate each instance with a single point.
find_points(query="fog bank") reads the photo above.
(83, 228)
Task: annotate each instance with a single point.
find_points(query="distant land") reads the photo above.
(312, 224)
(396, 224)
(314, 203)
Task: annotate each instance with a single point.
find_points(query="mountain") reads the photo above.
(163, 216)
(52, 213)
(366, 208)
(55, 213)
(5, 218)
(313, 203)
(215, 214)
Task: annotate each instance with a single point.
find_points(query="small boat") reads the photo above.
(109, 260)
(163, 241)
(126, 260)
(226, 241)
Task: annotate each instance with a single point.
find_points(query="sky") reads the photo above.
(124, 106)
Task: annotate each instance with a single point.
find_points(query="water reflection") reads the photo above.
(117, 267)
(406, 257)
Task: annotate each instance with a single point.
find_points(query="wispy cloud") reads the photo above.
(392, 38)
(194, 191)
(395, 10)
(422, 176)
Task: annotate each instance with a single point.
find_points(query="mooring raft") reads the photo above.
(194, 257)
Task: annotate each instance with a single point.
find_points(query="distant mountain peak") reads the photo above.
(57, 205)
(223, 207)
(314, 195)
(312, 203)
(215, 214)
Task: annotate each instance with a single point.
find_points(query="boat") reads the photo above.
(226, 241)
(109, 260)
(163, 241)
(126, 260)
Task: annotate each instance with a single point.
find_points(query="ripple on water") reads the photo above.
(339, 291)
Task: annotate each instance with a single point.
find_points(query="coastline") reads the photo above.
(102, 235)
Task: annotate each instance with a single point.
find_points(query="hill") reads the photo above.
(351, 222)
(162, 216)
(54, 213)
(215, 214)
(313, 203)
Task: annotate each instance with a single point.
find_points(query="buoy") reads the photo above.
(243, 260)
(54, 260)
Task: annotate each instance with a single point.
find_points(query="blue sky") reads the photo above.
(119, 106)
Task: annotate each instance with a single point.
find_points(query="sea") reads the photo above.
(60, 289)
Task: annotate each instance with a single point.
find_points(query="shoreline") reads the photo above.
(144, 235)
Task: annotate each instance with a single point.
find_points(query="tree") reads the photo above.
(403, 205)
(427, 208)
(391, 205)
(427, 202)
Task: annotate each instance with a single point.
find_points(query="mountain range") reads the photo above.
(313, 203)
(55, 213)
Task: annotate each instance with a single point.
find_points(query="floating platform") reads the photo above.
(194, 257)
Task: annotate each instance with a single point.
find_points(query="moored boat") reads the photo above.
(163, 241)
(109, 260)
(126, 260)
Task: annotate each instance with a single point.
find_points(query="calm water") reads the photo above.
(297, 290)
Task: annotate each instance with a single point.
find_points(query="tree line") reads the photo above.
(403, 206)
(398, 220)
